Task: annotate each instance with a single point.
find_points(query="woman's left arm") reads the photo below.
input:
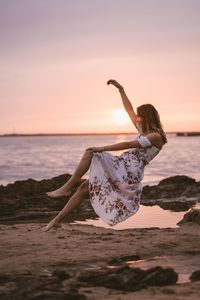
(115, 147)
(153, 139)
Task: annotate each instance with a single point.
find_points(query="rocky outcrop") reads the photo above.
(26, 200)
(32, 286)
(61, 284)
(193, 216)
(173, 187)
(195, 276)
(129, 279)
(122, 259)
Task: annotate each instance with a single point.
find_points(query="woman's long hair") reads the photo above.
(151, 120)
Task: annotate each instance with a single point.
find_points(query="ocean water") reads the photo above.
(41, 157)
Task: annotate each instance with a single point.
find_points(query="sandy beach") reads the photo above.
(30, 259)
(87, 262)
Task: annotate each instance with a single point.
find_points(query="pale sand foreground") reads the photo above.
(26, 249)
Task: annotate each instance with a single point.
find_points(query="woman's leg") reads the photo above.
(81, 169)
(73, 202)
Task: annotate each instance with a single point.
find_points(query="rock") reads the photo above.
(160, 277)
(25, 187)
(129, 279)
(195, 276)
(178, 179)
(27, 200)
(176, 205)
(61, 274)
(4, 278)
(172, 204)
(34, 286)
(118, 260)
(171, 187)
(192, 216)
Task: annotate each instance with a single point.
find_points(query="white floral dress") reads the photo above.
(115, 181)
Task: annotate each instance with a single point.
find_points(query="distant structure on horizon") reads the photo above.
(184, 133)
(193, 133)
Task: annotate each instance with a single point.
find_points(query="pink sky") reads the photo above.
(56, 57)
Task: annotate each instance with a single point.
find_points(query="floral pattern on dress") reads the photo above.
(115, 185)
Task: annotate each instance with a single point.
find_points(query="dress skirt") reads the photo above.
(115, 185)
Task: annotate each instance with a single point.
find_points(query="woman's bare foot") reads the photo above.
(58, 193)
(53, 224)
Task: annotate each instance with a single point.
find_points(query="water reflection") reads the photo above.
(147, 216)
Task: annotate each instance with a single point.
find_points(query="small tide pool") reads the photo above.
(146, 217)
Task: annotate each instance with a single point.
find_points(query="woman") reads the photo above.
(114, 186)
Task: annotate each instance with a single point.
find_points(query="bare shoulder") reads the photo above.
(154, 135)
(155, 139)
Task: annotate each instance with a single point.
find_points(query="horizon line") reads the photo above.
(86, 133)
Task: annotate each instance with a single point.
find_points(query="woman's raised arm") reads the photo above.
(126, 102)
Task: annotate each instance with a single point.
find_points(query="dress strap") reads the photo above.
(144, 141)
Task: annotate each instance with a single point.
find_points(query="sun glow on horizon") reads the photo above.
(120, 116)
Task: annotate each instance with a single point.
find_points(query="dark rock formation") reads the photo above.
(32, 286)
(173, 187)
(192, 216)
(129, 279)
(65, 284)
(176, 205)
(119, 260)
(61, 274)
(26, 200)
(195, 276)
(171, 204)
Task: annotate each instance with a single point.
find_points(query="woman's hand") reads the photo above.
(96, 149)
(115, 83)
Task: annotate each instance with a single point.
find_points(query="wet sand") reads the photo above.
(31, 259)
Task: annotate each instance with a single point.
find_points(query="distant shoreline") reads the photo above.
(188, 133)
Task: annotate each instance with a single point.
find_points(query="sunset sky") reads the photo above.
(57, 55)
